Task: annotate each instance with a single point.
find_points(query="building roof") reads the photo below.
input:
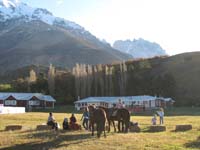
(123, 98)
(48, 98)
(26, 96)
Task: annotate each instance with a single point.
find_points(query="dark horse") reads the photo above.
(98, 117)
(121, 115)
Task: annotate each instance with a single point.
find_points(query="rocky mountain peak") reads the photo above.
(139, 48)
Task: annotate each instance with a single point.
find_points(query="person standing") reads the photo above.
(161, 115)
(85, 118)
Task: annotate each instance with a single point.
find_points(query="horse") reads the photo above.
(122, 115)
(98, 117)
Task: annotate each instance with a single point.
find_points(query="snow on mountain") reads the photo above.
(13, 9)
(34, 36)
(139, 48)
(9, 3)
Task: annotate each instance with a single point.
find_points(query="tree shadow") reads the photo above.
(193, 144)
(55, 140)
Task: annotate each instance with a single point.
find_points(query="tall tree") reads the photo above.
(51, 79)
(31, 79)
(76, 73)
(32, 76)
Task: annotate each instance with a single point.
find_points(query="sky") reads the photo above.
(174, 24)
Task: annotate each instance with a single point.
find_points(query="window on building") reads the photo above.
(34, 103)
(11, 102)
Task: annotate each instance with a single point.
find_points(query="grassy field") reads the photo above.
(28, 138)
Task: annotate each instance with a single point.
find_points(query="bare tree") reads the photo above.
(32, 76)
(76, 73)
(122, 78)
(31, 79)
(51, 79)
(89, 79)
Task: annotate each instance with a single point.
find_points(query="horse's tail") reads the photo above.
(128, 119)
(105, 114)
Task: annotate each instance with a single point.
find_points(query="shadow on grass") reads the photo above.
(50, 140)
(193, 144)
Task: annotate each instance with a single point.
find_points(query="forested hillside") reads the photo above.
(176, 77)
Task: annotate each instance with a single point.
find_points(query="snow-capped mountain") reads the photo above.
(34, 36)
(139, 48)
(10, 9)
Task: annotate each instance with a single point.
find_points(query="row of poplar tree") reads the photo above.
(121, 79)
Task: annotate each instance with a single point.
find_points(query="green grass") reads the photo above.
(60, 109)
(174, 111)
(29, 138)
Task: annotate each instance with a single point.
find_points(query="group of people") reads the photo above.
(72, 124)
(160, 113)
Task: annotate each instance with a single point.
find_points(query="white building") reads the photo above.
(36, 100)
(144, 102)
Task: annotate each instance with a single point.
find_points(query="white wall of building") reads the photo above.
(12, 110)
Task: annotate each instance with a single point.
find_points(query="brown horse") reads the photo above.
(98, 117)
(121, 115)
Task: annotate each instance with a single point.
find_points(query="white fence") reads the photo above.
(11, 110)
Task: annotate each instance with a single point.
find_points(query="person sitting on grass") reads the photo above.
(153, 120)
(73, 124)
(52, 122)
(65, 124)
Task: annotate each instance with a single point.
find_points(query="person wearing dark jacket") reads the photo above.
(72, 124)
(65, 124)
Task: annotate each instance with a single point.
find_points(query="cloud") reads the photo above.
(59, 2)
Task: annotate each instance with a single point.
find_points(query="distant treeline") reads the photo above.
(119, 79)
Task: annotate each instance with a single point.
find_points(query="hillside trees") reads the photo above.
(65, 88)
(119, 79)
(41, 85)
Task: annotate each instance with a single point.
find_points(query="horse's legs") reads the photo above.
(108, 126)
(122, 123)
(104, 132)
(92, 126)
(119, 122)
(127, 125)
(98, 130)
(114, 125)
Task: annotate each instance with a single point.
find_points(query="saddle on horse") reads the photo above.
(113, 112)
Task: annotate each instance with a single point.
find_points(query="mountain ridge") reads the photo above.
(34, 36)
(139, 48)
